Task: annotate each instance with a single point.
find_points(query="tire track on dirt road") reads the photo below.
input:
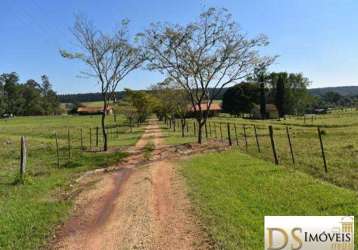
(139, 205)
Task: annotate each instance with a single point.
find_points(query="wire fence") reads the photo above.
(40, 152)
(328, 153)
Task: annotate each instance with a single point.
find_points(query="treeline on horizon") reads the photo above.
(95, 97)
(33, 98)
(346, 96)
(27, 98)
(288, 92)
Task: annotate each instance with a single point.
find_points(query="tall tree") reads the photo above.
(164, 91)
(241, 98)
(210, 52)
(289, 92)
(173, 101)
(127, 108)
(32, 101)
(110, 59)
(142, 102)
(11, 91)
(27, 98)
(50, 99)
(281, 95)
(260, 75)
(2, 99)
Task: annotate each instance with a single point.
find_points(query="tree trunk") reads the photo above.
(104, 132)
(200, 131)
(182, 127)
(262, 100)
(114, 116)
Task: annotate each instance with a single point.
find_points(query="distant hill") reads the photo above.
(85, 97)
(344, 91)
(94, 97)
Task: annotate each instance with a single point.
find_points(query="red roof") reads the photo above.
(204, 107)
(92, 109)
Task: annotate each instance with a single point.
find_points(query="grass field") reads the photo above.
(28, 213)
(339, 135)
(93, 104)
(233, 192)
(340, 140)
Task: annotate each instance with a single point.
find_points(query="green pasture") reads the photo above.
(339, 136)
(232, 192)
(93, 104)
(29, 212)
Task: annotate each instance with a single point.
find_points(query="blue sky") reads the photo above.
(316, 37)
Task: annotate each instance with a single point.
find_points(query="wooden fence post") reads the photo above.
(194, 128)
(57, 151)
(237, 139)
(209, 129)
(69, 144)
(182, 128)
(257, 140)
(90, 138)
(23, 157)
(96, 136)
(131, 125)
(81, 139)
(290, 144)
(174, 125)
(245, 137)
(216, 132)
(322, 149)
(228, 134)
(221, 132)
(273, 145)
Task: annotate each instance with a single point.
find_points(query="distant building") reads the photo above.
(215, 109)
(93, 110)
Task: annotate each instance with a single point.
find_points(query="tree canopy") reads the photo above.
(241, 98)
(211, 52)
(29, 98)
(288, 91)
(109, 57)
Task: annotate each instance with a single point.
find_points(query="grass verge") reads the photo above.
(233, 192)
(30, 212)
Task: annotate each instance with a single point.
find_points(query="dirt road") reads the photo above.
(140, 205)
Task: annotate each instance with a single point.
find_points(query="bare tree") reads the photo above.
(164, 92)
(127, 108)
(173, 101)
(110, 58)
(203, 56)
